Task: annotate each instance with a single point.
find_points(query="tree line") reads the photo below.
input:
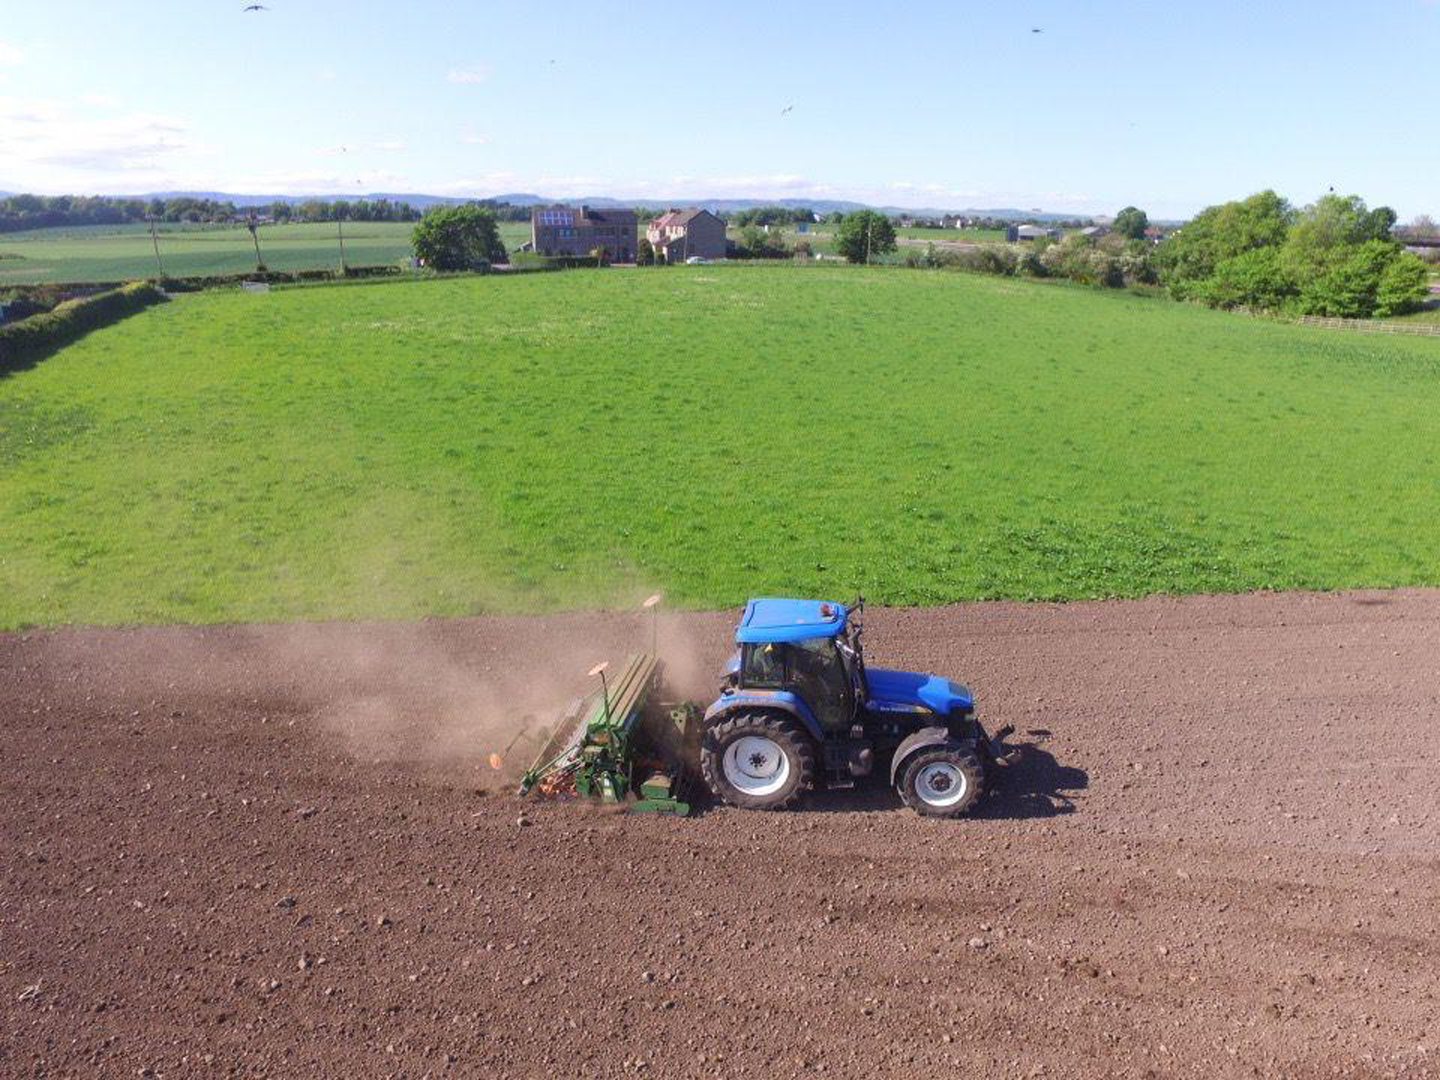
(1336, 257)
(21, 212)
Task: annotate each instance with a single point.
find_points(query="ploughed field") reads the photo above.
(277, 850)
(550, 441)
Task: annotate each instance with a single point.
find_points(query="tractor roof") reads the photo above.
(769, 619)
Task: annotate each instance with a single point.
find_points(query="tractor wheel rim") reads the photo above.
(755, 765)
(941, 784)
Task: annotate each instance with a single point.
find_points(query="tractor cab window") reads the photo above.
(763, 665)
(821, 679)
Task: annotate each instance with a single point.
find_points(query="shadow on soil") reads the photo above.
(1035, 785)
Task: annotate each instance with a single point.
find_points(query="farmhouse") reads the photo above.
(686, 234)
(565, 230)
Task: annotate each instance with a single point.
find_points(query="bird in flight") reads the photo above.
(1036, 30)
(255, 7)
(786, 109)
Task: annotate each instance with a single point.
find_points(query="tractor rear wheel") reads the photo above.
(942, 781)
(757, 761)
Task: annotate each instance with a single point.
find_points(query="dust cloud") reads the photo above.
(439, 695)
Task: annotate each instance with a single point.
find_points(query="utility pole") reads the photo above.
(255, 239)
(869, 230)
(340, 228)
(155, 241)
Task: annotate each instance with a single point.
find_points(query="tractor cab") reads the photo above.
(807, 649)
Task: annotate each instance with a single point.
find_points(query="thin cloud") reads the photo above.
(476, 187)
(471, 76)
(471, 138)
(320, 182)
(54, 133)
(390, 146)
(10, 55)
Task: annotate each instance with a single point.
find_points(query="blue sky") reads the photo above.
(1171, 107)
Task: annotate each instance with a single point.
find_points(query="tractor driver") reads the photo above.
(766, 665)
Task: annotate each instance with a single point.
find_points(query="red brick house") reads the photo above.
(687, 234)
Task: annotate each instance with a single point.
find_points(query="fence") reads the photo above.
(1375, 326)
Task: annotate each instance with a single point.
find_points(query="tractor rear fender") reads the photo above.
(777, 700)
(919, 740)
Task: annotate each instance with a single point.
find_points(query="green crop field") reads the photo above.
(952, 236)
(821, 238)
(560, 440)
(118, 253)
(125, 252)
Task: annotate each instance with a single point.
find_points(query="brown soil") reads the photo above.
(278, 851)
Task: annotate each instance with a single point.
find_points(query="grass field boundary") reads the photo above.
(26, 343)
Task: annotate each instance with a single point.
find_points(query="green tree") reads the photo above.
(645, 252)
(1254, 279)
(1347, 284)
(1379, 223)
(1131, 223)
(458, 238)
(1404, 286)
(863, 235)
(1324, 233)
(1221, 232)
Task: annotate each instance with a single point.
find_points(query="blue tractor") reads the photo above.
(798, 709)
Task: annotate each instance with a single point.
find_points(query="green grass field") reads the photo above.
(563, 440)
(121, 253)
(954, 236)
(821, 238)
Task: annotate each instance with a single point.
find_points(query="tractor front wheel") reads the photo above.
(757, 761)
(942, 781)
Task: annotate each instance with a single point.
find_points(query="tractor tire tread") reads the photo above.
(968, 760)
(776, 726)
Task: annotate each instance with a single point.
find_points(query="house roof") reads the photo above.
(679, 217)
(620, 216)
(578, 215)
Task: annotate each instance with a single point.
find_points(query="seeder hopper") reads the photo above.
(620, 742)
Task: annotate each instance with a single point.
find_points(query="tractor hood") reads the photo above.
(903, 690)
